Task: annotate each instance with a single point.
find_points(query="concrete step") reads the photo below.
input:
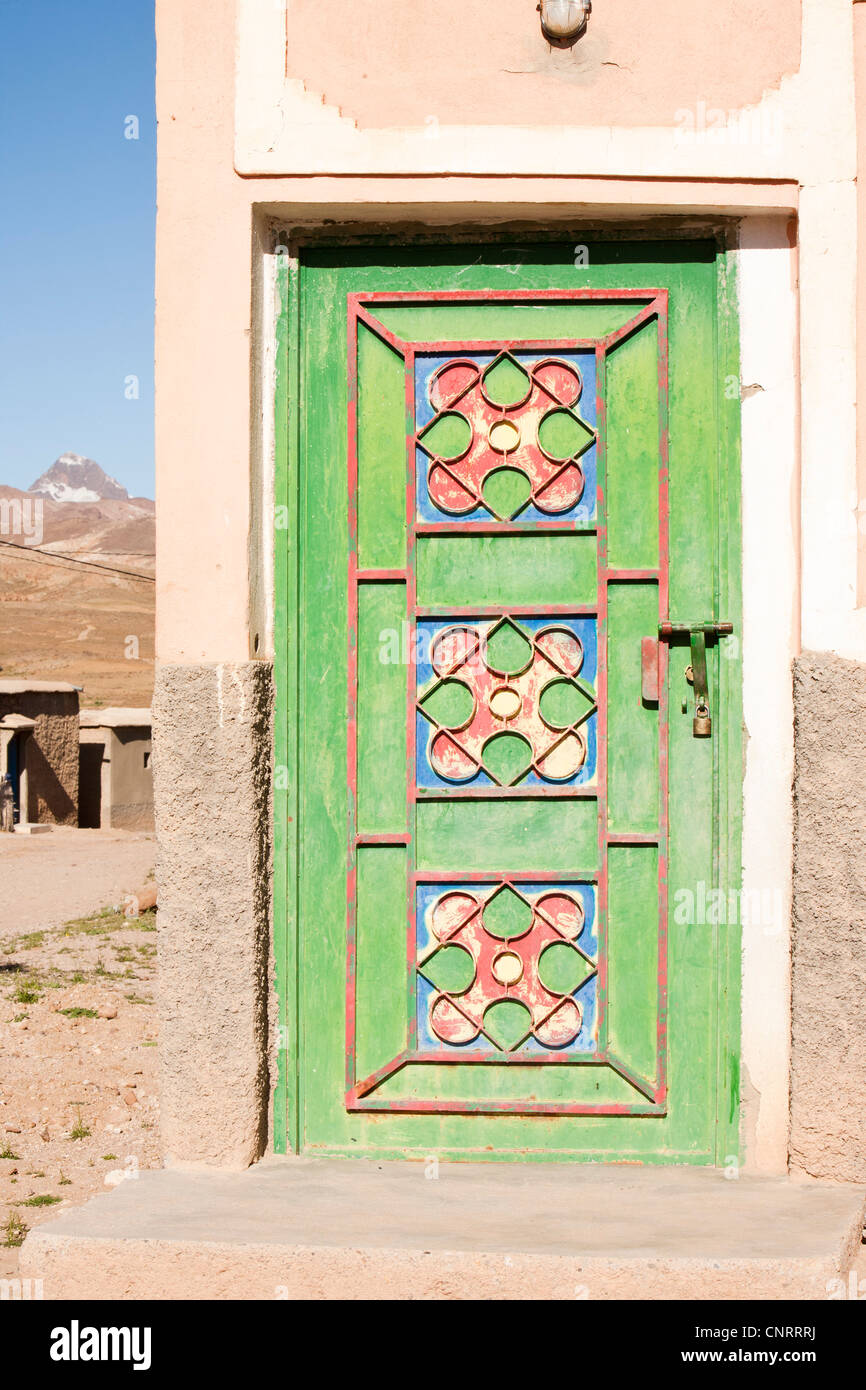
(302, 1228)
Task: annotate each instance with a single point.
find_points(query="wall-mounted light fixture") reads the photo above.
(563, 21)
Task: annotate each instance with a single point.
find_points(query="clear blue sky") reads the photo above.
(77, 208)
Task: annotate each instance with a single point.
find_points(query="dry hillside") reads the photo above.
(64, 621)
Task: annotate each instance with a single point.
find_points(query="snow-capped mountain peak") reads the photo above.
(73, 478)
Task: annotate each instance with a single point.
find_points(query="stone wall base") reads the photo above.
(828, 1064)
(212, 760)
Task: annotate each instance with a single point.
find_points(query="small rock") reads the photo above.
(13, 1129)
(130, 1098)
(141, 901)
(45, 1135)
(108, 1011)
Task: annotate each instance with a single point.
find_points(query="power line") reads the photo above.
(57, 557)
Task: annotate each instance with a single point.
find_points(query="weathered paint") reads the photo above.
(451, 383)
(629, 571)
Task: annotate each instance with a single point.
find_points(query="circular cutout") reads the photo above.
(561, 703)
(562, 436)
(562, 648)
(448, 437)
(560, 380)
(507, 758)
(507, 968)
(451, 969)
(450, 1025)
(563, 761)
(505, 702)
(452, 381)
(564, 912)
(562, 1026)
(506, 915)
(451, 704)
(562, 492)
(451, 648)
(447, 493)
(451, 913)
(507, 652)
(450, 761)
(507, 1023)
(503, 436)
(506, 492)
(562, 969)
(505, 384)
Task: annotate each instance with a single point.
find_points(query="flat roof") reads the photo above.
(115, 718)
(26, 687)
(17, 721)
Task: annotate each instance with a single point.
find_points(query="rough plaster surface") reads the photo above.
(828, 1070)
(212, 747)
(51, 753)
(352, 1229)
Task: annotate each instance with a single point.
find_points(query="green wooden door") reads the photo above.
(504, 473)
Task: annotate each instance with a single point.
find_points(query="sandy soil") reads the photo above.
(78, 1088)
(47, 879)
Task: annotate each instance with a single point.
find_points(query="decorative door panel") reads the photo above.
(504, 475)
(507, 780)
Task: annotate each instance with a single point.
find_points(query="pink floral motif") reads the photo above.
(506, 968)
(504, 436)
(506, 702)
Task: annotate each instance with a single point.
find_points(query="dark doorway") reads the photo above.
(90, 756)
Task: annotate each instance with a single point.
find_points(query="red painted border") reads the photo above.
(359, 1092)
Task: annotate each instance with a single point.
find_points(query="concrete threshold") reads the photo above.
(315, 1228)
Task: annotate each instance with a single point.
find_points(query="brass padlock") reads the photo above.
(702, 725)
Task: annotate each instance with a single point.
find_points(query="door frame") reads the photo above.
(728, 730)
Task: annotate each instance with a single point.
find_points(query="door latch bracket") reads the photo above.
(698, 634)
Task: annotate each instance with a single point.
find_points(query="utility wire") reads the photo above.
(57, 557)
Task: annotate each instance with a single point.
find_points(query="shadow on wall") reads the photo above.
(51, 755)
(49, 798)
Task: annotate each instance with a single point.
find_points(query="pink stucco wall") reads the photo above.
(393, 63)
(205, 333)
(479, 66)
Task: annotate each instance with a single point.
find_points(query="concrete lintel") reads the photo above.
(302, 1228)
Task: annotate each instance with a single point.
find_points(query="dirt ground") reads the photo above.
(78, 1086)
(79, 1107)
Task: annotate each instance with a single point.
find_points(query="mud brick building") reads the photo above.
(116, 770)
(39, 740)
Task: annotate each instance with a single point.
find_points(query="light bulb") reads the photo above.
(564, 19)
